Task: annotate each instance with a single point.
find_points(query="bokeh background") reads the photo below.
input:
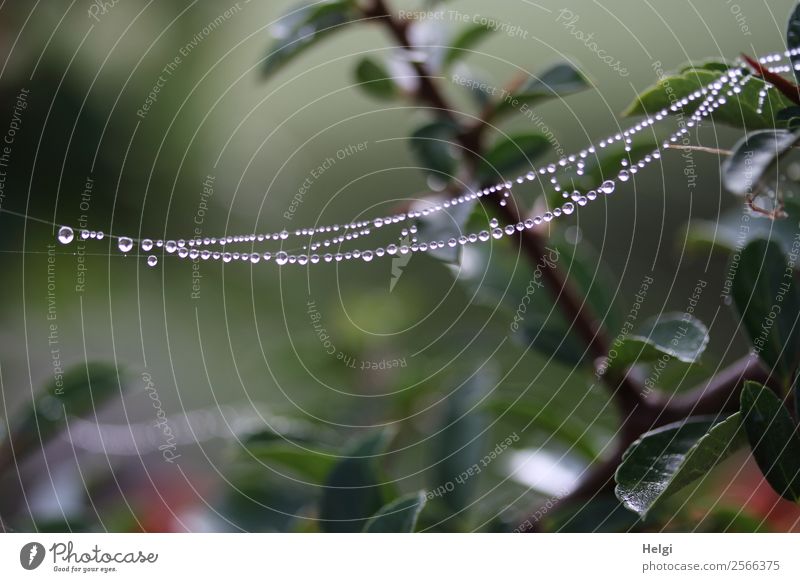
(241, 354)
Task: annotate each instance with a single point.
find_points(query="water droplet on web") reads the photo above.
(152, 261)
(65, 235)
(125, 244)
(568, 208)
(624, 176)
(282, 258)
(607, 187)
(147, 244)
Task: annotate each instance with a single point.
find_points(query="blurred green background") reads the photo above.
(244, 352)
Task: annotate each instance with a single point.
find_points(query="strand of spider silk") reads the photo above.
(125, 243)
(713, 100)
(283, 258)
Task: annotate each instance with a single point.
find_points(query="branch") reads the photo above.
(719, 394)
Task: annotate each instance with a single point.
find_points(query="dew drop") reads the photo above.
(483, 235)
(227, 257)
(255, 258)
(65, 235)
(170, 246)
(494, 223)
(568, 208)
(147, 244)
(366, 256)
(152, 261)
(497, 233)
(125, 244)
(282, 258)
(624, 176)
(607, 187)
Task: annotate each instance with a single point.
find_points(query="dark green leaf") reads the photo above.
(352, 491)
(603, 513)
(773, 438)
(558, 81)
(752, 157)
(375, 80)
(464, 41)
(399, 516)
(790, 117)
(664, 461)
(80, 392)
(306, 463)
(741, 111)
(433, 145)
(305, 25)
(735, 229)
(512, 154)
(681, 337)
(767, 298)
(793, 38)
(459, 444)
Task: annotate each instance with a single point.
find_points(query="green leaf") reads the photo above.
(512, 154)
(735, 229)
(80, 392)
(465, 40)
(375, 80)
(681, 337)
(459, 444)
(773, 438)
(432, 144)
(752, 156)
(399, 516)
(664, 461)
(793, 38)
(353, 489)
(558, 81)
(304, 26)
(740, 111)
(306, 463)
(767, 298)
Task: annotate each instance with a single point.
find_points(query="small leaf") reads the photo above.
(773, 438)
(399, 516)
(433, 146)
(512, 154)
(375, 80)
(767, 298)
(664, 461)
(464, 41)
(793, 39)
(681, 337)
(752, 157)
(304, 26)
(558, 81)
(352, 491)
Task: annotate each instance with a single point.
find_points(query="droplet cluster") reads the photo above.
(711, 97)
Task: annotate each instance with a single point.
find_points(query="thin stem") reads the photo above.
(698, 148)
